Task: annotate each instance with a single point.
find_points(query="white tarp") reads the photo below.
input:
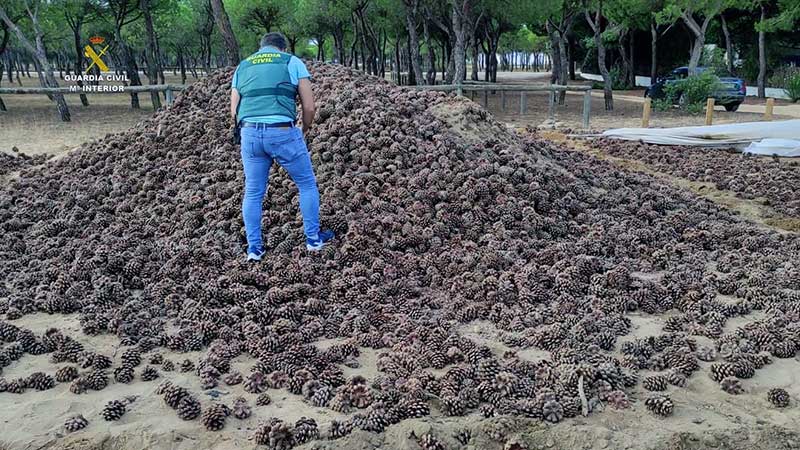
(780, 147)
(780, 138)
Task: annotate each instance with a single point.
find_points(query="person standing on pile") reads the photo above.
(263, 92)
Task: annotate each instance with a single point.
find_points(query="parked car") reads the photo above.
(730, 95)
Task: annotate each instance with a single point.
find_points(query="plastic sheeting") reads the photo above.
(780, 138)
(779, 147)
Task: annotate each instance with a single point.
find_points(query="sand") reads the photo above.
(705, 416)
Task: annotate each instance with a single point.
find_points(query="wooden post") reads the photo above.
(587, 108)
(503, 101)
(485, 99)
(522, 102)
(551, 106)
(709, 111)
(648, 103)
(770, 107)
(459, 90)
(168, 96)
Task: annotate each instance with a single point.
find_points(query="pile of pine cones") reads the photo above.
(141, 235)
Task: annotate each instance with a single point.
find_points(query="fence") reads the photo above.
(472, 87)
(523, 89)
(168, 90)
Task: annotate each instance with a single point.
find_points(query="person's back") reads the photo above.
(263, 92)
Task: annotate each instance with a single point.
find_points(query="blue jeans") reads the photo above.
(286, 146)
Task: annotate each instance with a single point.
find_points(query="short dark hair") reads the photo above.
(274, 39)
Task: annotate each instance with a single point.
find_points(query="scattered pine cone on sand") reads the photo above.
(214, 416)
(275, 434)
(114, 410)
(778, 397)
(655, 383)
(263, 399)
(241, 410)
(76, 423)
(731, 385)
(66, 374)
(188, 408)
(660, 404)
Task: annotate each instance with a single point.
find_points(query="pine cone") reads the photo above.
(76, 423)
(778, 397)
(149, 373)
(40, 381)
(188, 408)
(114, 410)
(173, 395)
(97, 380)
(131, 357)
(275, 434)
(731, 385)
(256, 383)
(720, 371)
(241, 410)
(123, 374)
(213, 417)
(428, 442)
(784, 349)
(187, 366)
(305, 430)
(79, 386)
(263, 399)
(66, 373)
(339, 429)
(233, 378)
(453, 406)
(655, 383)
(660, 404)
(677, 378)
(168, 366)
(552, 411)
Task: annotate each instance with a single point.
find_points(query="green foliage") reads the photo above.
(782, 76)
(617, 82)
(793, 88)
(690, 93)
(715, 60)
(662, 104)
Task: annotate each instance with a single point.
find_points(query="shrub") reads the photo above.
(793, 88)
(694, 91)
(787, 78)
(617, 82)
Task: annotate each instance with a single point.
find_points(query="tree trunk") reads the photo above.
(76, 24)
(653, 53)
(474, 74)
(571, 58)
(728, 45)
(131, 69)
(555, 57)
(151, 53)
(338, 43)
(431, 54)
(597, 28)
(460, 28)
(762, 57)
(226, 31)
(41, 56)
(413, 39)
(182, 65)
(699, 33)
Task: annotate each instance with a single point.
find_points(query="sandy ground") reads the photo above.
(33, 126)
(705, 417)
